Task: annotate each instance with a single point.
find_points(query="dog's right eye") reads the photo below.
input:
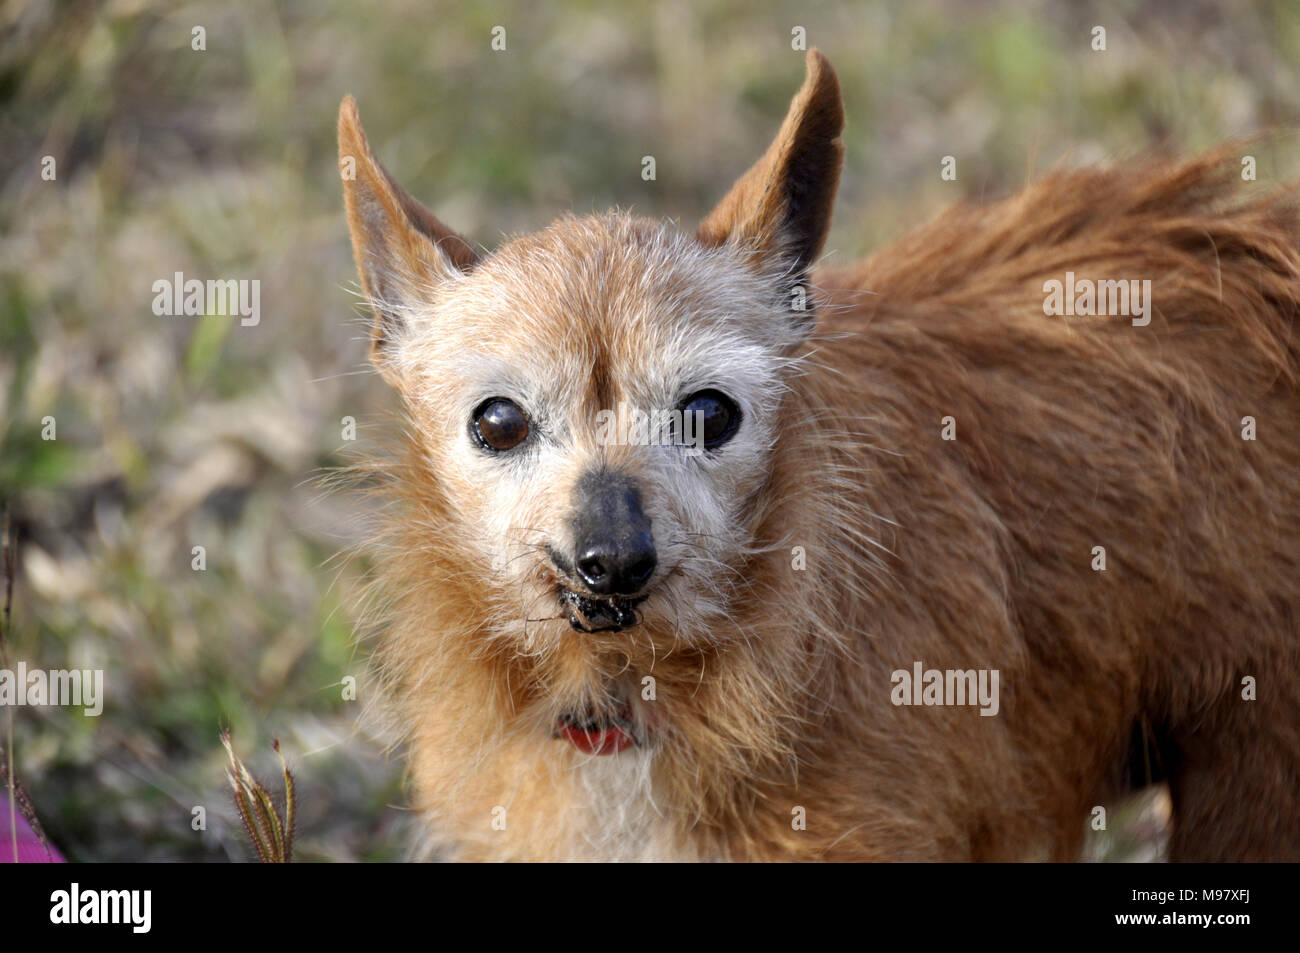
(499, 424)
(719, 413)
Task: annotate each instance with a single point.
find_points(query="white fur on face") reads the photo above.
(662, 317)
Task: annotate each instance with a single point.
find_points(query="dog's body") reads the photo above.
(924, 476)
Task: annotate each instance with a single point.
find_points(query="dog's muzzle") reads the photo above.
(613, 559)
(599, 613)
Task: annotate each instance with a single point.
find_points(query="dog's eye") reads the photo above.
(499, 424)
(721, 416)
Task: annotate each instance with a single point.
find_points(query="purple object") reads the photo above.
(30, 848)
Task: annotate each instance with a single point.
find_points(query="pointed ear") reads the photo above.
(399, 246)
(781, 208)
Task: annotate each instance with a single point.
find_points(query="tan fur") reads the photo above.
(773, 684)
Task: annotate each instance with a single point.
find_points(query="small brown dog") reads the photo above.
(918, 556)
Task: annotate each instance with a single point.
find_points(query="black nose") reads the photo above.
(615, 552)
(611, 567)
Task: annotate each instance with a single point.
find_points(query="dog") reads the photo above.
(937, 549)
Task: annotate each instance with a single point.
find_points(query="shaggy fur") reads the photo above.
(771, 684)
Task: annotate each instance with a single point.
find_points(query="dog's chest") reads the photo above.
(613, 814)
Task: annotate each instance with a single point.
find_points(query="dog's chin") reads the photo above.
(600, 613)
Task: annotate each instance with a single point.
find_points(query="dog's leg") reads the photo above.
(1236, 786)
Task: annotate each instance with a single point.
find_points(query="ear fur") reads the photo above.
(398, 244)
(781, 207)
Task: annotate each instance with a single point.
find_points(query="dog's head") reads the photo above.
(596, 404)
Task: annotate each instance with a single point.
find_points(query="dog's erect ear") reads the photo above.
(782, 206)
(399, 246)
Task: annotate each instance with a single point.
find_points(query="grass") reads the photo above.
(269, 833)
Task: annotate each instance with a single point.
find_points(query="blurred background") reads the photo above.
(175, 432)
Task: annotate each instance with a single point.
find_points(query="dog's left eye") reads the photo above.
(499, 424)
(721, 416)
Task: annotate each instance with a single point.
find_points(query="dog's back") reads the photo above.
(1112, 518)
